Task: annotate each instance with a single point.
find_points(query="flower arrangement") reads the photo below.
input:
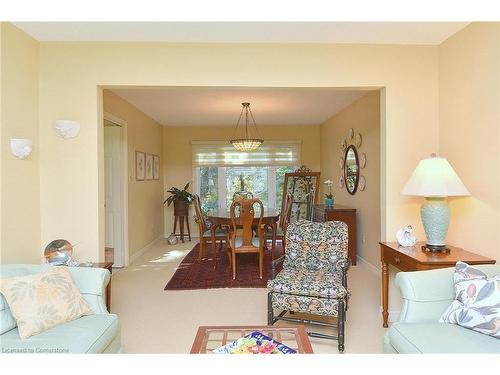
(329, 183)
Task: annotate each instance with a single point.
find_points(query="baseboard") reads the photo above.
(138, 253)
(373, 269)
(393, 315)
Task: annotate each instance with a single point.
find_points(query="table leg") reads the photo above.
(385, 292)
(273, 243)
(214, 245)
(108, 292)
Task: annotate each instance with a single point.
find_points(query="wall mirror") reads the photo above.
(351, 169)
(303, 185)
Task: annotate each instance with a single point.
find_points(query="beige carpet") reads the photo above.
(158, 321)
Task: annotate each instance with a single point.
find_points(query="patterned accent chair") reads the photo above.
(314, 276)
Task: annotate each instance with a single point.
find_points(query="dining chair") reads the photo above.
(278, 233)
(204, 227)
(241, 236)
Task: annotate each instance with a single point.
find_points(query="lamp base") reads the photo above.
(435, 214)
(435, 249)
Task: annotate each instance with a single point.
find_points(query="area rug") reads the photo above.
(192, 274)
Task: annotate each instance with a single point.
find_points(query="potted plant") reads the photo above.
(329, 197)
(181, 199)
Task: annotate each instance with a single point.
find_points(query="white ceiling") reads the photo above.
(246, 32)
(184, 106)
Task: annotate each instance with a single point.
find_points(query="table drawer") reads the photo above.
(399, 261)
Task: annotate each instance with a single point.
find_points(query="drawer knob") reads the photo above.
(397, 260)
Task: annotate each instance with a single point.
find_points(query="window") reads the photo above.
(220, 171)
(217, 185)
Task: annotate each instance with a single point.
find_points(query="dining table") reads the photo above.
(270, 218)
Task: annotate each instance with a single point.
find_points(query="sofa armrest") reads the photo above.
(426, 294)
(92, 283)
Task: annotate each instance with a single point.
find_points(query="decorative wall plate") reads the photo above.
(343, 144)
(358, 140)
(341, 182)
(341, 163)
(362, 160)
(362, 183)
(351, 133)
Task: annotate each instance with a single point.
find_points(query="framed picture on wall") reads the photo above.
(149, 167)
(140, 166)
(156, 167)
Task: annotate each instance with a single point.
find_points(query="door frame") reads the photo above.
(124, 185)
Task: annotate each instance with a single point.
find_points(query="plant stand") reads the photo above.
(181, 219)
(181, 214)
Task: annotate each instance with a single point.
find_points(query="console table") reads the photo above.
(339, 213)
(413, 258)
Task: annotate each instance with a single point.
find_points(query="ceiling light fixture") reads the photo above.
(246, 144)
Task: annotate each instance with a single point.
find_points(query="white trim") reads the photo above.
(140, 252)
(125, 173)
(393, 315)
(373, 269)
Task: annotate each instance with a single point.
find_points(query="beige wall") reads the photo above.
(145, 208)
(364, 117)
(20, 187)
(177, 166)
(70, 74)
(469, 133)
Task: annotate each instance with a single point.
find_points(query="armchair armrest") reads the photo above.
(274, 264)
(92, 283)
(426, 294)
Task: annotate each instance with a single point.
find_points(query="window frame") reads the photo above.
(222, 186)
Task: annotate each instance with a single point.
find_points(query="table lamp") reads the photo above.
(435, 179)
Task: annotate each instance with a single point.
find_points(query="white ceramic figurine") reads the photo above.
(404, 236)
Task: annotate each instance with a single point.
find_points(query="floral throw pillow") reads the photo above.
(477, 303)
(43, 300)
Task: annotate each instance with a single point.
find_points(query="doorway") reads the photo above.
(115, 191)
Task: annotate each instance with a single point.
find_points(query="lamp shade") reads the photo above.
(435, 177)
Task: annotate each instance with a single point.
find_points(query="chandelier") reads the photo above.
(246, 144)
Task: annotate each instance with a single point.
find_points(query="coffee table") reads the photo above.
(209, 338)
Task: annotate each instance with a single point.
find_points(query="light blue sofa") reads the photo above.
(426, 295)
(97, 333)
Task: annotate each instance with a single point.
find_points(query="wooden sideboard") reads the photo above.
(339, 213)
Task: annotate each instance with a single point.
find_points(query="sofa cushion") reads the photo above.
(439, 338)
(7, 321)
(88, 334)
(477, 302)
(41, 301)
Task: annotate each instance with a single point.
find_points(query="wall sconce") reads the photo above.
(67, 128)
(21, 148)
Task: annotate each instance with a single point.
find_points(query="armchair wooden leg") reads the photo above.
(261, 262)
(234, 264)
(270, 312)
(341, 321)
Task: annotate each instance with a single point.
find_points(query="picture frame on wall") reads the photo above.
(149, 167)
(156, 167)
(140, 165)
